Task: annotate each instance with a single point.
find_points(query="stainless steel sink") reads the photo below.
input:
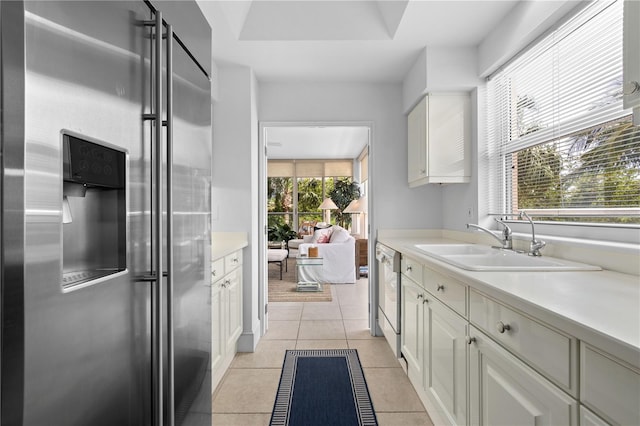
(475, 257)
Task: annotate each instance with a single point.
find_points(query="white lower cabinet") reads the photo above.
(226, 312)
(609, 387)
(433, 345)
(505, 391)
(445, 378)
(412, 336)
(589, 418)
(217, 321)
(233, 305)
(476, 360)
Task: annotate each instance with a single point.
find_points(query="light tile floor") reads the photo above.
(246, 394)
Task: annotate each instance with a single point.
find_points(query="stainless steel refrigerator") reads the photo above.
(106, 165)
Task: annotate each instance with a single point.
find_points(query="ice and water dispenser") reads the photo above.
(94, 211)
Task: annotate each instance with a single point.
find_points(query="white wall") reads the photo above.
(460, 201)
(395, 205)
(234, 177)
(526, 21)
(449, 70)
(440, 69)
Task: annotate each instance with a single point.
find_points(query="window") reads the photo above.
(560, 145)
(296, 188)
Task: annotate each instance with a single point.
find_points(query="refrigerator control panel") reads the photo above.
(91, 164)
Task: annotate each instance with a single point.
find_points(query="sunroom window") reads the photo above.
(296, 188)
(561, 146)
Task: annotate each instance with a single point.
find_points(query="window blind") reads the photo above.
(279, 168)
(364, 167)
(558, 136)
(309, 168)
(339, 168)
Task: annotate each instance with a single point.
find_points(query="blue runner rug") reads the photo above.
(322, 387)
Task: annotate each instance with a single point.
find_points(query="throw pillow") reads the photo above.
(323, 239)
(321, 232)
(340, 235)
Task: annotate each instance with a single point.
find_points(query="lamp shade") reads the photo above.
(328, 204)
(357, 206)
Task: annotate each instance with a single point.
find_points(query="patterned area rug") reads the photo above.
(285, 290)
(323, 387)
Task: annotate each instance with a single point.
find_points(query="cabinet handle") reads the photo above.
(502, 327)
(420, 296)
(425, 300)
(440, 287)
(631, 87)
(213, 272)
(226, 283)
(409, 268)
(235, 260)
(470, 340)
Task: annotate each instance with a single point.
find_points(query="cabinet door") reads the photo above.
(218, 325)
(631, 67)
(412, 329)
(446, 350)
(233, 290)
(609, 387)
(505, 391)
(417, 143)
(588, 418)
(447, 137)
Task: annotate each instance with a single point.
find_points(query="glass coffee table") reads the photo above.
(309, 270)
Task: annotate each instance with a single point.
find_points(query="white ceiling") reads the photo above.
(341, 40)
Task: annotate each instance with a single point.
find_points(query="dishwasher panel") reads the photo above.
(389, 295)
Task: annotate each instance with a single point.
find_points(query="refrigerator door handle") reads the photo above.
(159, 250)
(157, 345)
(151, 277)
(169, 248)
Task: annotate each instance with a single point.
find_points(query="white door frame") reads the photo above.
(262, 214)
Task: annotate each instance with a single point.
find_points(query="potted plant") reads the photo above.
(281, 232)
(343, 193)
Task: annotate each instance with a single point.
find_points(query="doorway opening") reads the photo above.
(313, 175)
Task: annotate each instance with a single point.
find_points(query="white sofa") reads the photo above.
(339, 256)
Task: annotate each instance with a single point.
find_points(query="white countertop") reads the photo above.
(599, 307)
(224, 243)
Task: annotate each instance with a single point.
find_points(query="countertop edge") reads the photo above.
(224, 243)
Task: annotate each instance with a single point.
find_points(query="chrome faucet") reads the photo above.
(534, 245)
(505, 242)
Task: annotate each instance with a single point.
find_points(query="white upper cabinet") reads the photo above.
(631, 68)
(439, 139)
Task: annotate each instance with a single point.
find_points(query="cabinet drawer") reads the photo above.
(412, 269)
(232, 261)
(551, 352)
(217, 269)
(453, 293)
(609, 387)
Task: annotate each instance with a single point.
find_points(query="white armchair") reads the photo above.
(338, 257)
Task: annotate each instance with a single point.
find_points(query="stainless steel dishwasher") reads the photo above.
(389, 295)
